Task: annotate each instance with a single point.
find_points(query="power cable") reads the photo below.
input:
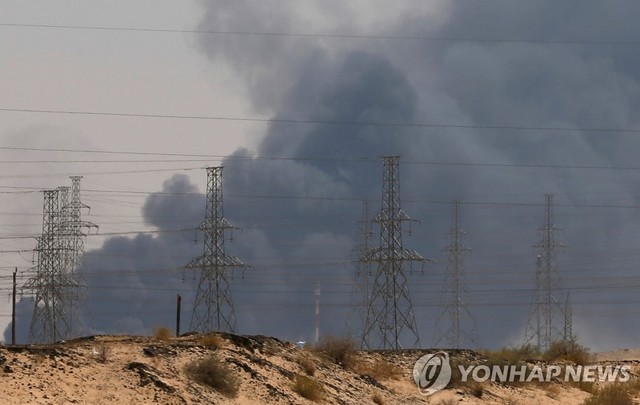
(318, 122)
(323, 35)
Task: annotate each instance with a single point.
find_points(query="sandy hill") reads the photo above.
(142, 370)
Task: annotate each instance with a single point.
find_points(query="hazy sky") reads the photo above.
(495, 103)
(106, 71)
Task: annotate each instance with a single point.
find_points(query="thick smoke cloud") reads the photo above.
(298, 216)
(474, 84)
(132, 282)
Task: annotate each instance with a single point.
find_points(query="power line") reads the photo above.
(119, 152)
(99, 173)
(477, 203)
(337, 263)
(234, 158)
(624, 284)
(406, 200)
(318, 122)
(324, 35)
(14, 162)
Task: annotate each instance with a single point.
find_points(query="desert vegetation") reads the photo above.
(308, 388)
(613, 394)
(162, 333)
(377, 399)
(568, 350)
(211, 371)
(306, 363)
(211, 340)
(341, 351)
(561, 350)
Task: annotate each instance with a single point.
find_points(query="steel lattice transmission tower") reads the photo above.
(456, 307)
(75, 226)
(67, 254)
(390, 316)
(213, 307)
(64, 231)
(52, 286)
(73, 230)
(542, 326)
(59, 251)
(362, 277)
(568, 320)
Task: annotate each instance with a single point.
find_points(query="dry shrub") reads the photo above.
(511, 355)
(633, 386)
(162, 333)
(377, 399)
(585, 386)
(476, 389)
(104, 353)
(380, 369)
(614, 394)
(308, 388)
(270, 348)
(306, 363)
(508, 356)
(211, 340)
(567, 350)
(341, 351)
(213, 372)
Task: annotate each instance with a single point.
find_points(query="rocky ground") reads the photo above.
(142, 370)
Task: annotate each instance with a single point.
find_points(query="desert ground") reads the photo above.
(263, 370)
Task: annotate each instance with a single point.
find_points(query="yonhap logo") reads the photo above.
(432, 372)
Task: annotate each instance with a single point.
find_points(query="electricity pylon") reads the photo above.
(461, 329)
(390, 318)
(213, 306)
(59, 250)
(568, 320)
(76, 226)
(74, 230)
(52, 286)
(362, 276)
(542, 326)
